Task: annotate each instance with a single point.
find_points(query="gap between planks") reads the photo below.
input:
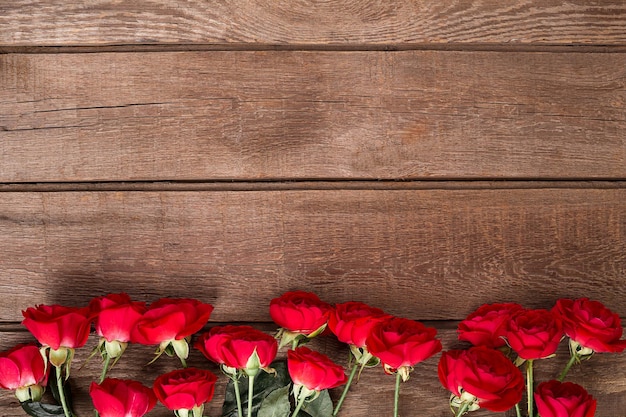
(282, 185)
(246, 47)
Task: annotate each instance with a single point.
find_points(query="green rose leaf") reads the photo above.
(38, 409)
(276, 404)
(264, 385)
(322, 406)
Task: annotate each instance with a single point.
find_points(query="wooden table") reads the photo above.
(423, 157)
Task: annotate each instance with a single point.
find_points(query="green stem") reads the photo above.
(66, 409)
(396, 396)
(529, 387)
(298, 406)
(250, 394)
(571, 362)
(463, 409)
(346, 388)
(238, 397)
(105, 368)
(517, 410)
(183, 362)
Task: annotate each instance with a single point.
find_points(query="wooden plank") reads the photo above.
(372, 395)
(456, 249)
(311, 115)
(347, 22)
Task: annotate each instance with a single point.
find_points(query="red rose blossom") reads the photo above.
(23, 369)
(563, 399)
(300, 312)
(171, 319)
(58, 326)
(352, 322)
(534, 334)
(185, 388)
(402, 343)
(238, 347)
(591, 324)
(314, 370)
(488, 324)
(121, 398)
(116, 316)
(483, 373)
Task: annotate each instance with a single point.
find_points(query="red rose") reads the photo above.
(563, 399)
(352, 322)
(121, 398)
(238, 347)
(591, 324)
(57, 326)
(171, 319)
(23, 369)
(313, 370)
(116, 317)
(185, 388)
(402, 343)
(484, 374)
(534, 334)
(300, 312)
(488, 324)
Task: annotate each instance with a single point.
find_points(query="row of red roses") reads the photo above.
(483, 376)
(398, 343)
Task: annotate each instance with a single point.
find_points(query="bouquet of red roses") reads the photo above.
(505, 337)
(245, 355)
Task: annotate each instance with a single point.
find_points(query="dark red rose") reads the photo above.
(185, 388)
(121, 398)
(484, 374)
(170, 319)
(314, 370)
(563, 399)
(238, 347)
(300, 312)
(535, 334)
(23, 369)
(591, 324)
(116, 316)
(352, 322)
(487, 326)
(402, 343)
(58, 326)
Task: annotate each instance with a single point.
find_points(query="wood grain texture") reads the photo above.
(308, 22)
(311, 115)
(422, 254)
(421, 395)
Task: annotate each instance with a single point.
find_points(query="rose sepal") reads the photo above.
(194, 412)
(296, 339)
(32, 393)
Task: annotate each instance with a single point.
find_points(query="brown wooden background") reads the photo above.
(424, 157)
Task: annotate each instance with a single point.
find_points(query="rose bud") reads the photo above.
(116, 317)
(481, 377)
(401, 343)
(236, 348)
(311, 373)
(534, 334)
(185, 391)
(171, 322)
(24, 370)
(301, 316)
(488, 324)
(591, 326)
(60, 328)
(563, 399)
(121, 397)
